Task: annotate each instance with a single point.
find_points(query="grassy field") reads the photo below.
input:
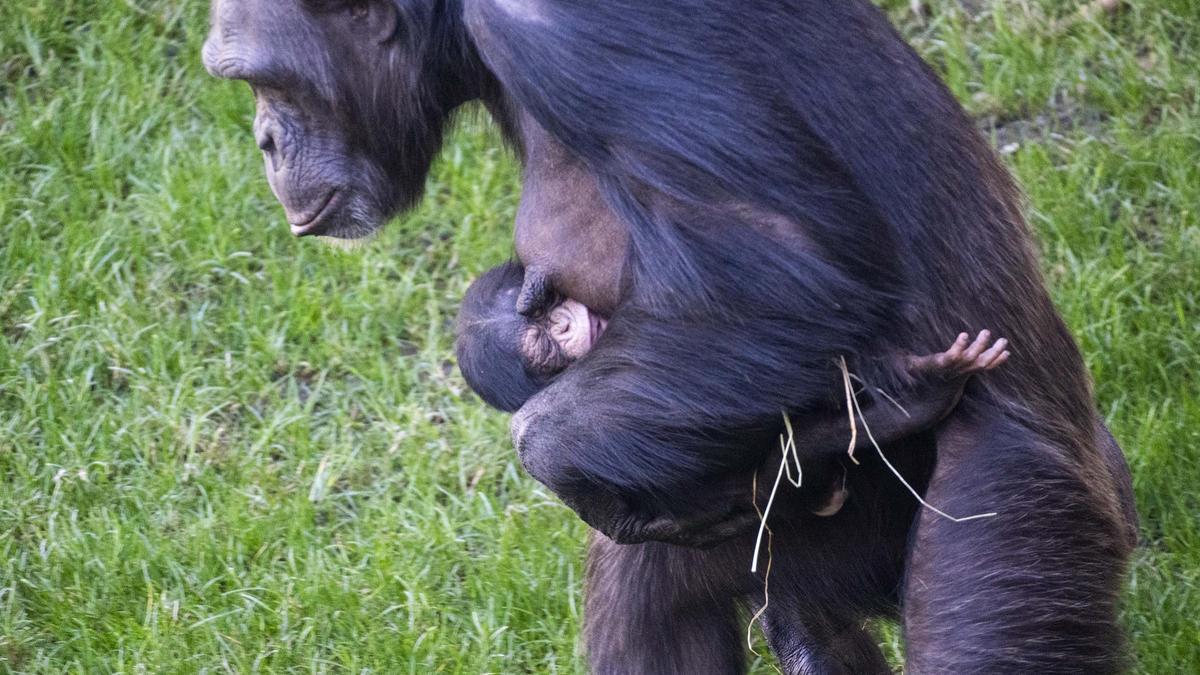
(222, 449)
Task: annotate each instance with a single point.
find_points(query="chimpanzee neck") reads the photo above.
(458, 70)
(464, 76)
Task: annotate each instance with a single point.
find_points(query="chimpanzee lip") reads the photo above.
(312, 225)
(596, 326)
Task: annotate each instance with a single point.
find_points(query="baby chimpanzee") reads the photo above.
(507, 357)
(515, 335)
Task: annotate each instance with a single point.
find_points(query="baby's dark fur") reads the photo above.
(488, 341)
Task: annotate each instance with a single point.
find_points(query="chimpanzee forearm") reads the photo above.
(830, 433)
(937, 385)
(632, 433)
(623, 455)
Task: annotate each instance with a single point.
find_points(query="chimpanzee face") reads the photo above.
(559, 336)
(349, 114)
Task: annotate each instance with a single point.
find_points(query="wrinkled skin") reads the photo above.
(342, 154)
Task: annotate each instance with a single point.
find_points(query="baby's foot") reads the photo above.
(962, 359)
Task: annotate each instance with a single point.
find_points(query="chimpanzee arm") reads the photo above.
(720, 323)
(937, 385)
(629, 435)
(576, 440)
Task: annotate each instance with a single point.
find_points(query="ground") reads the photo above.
(224, 449)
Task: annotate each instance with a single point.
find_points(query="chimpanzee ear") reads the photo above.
(536, 293)
(378, 18)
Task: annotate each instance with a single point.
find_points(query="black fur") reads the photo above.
(488, 342)
(693, 116)
(645, 95)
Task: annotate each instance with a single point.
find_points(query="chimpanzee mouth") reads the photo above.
(314, 224)
(596, 324)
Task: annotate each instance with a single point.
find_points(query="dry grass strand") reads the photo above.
(857, 412)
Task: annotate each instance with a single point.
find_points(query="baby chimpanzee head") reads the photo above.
(507, 357)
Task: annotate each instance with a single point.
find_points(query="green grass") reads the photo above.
(222, 449)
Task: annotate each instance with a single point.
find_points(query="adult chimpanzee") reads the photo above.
(792, 185)
(506, 357)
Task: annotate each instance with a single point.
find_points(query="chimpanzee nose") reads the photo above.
(266, 143)
(264, 129)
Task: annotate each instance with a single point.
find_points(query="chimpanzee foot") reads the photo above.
(963, 358)
(937, 381)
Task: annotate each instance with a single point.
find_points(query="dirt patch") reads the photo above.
(1064, 116)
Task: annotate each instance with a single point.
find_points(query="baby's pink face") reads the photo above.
(575, 328)
(561, 336)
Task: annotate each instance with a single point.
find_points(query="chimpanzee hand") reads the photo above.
(721, 518)
(724, 509)
(727, 513)
(938, 379)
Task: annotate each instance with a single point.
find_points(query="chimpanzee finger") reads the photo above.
(702, 532)
(718, 532)
(986, 360)
(960, 343)
(659, 529)
(940, 361)
(536, 293)
(955, 352)
(977, 347)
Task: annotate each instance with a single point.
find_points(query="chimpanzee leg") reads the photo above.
(657, 609)
(1032, 590)
(1122, 478)
(829, 574)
